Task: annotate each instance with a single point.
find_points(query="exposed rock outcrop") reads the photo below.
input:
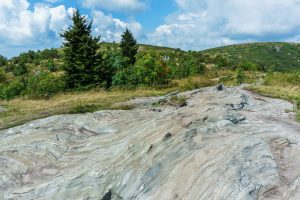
(226, 144)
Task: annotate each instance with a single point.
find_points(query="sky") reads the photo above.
(186, 24)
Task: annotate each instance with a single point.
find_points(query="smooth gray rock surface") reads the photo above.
(228, 144)
(2, 109)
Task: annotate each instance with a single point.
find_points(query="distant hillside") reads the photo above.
(145, 46)
(278, 56)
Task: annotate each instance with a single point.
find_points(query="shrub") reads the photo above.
(11, 90)
(20, 69)
(44, 85)
(240, 76)
(3, 77)
(248, 66)
(221, 62)
(186, 65)
(9, 67)
(123, 77)
(50, 65)
(150, 70)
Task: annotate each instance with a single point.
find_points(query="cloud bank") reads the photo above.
(22, 28)
(209, 23)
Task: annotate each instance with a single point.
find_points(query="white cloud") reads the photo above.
(20, 26)
(30, 29)
(208, 23)
(115, 5)
(111, 28)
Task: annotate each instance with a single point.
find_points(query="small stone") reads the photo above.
(167, 136)
(220, 87)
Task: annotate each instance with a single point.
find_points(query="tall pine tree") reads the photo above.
(81, 53)
(129, 47)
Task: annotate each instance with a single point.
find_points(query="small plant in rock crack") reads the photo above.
(86, 108)
(178, 101)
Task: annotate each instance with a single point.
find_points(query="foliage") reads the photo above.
(148, 70)
(20, 69)
(186, 64)
(123, 77)
(3, 61)
(82, 59)
(129, 47)
(240, 76)
(50, 65)
(43, 85)
(248, 66)
(12, 89)
(268, 56)
(221, 62)
(48, 54)
(3, 76)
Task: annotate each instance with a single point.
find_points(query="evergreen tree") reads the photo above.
(129, 47)
(81, 49)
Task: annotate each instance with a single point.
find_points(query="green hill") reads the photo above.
(278, 56)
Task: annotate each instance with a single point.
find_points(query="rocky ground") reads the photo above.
(229, 144)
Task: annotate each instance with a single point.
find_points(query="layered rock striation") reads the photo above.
(222, 144)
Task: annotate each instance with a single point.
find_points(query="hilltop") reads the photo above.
(278, 56)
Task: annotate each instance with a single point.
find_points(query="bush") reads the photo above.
(148, 70)
(12, 90)
(50, 65)
(44, 85)
(20, 69)
(186, 65)
(221, 62)
(240, 76)
(123, 77)
(3, 77)
(248, 66)
(9, 67)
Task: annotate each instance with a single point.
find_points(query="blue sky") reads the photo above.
(187, 24)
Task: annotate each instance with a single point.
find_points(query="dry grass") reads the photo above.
(22, 110)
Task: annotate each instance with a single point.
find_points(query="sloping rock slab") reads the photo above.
(206, 150)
